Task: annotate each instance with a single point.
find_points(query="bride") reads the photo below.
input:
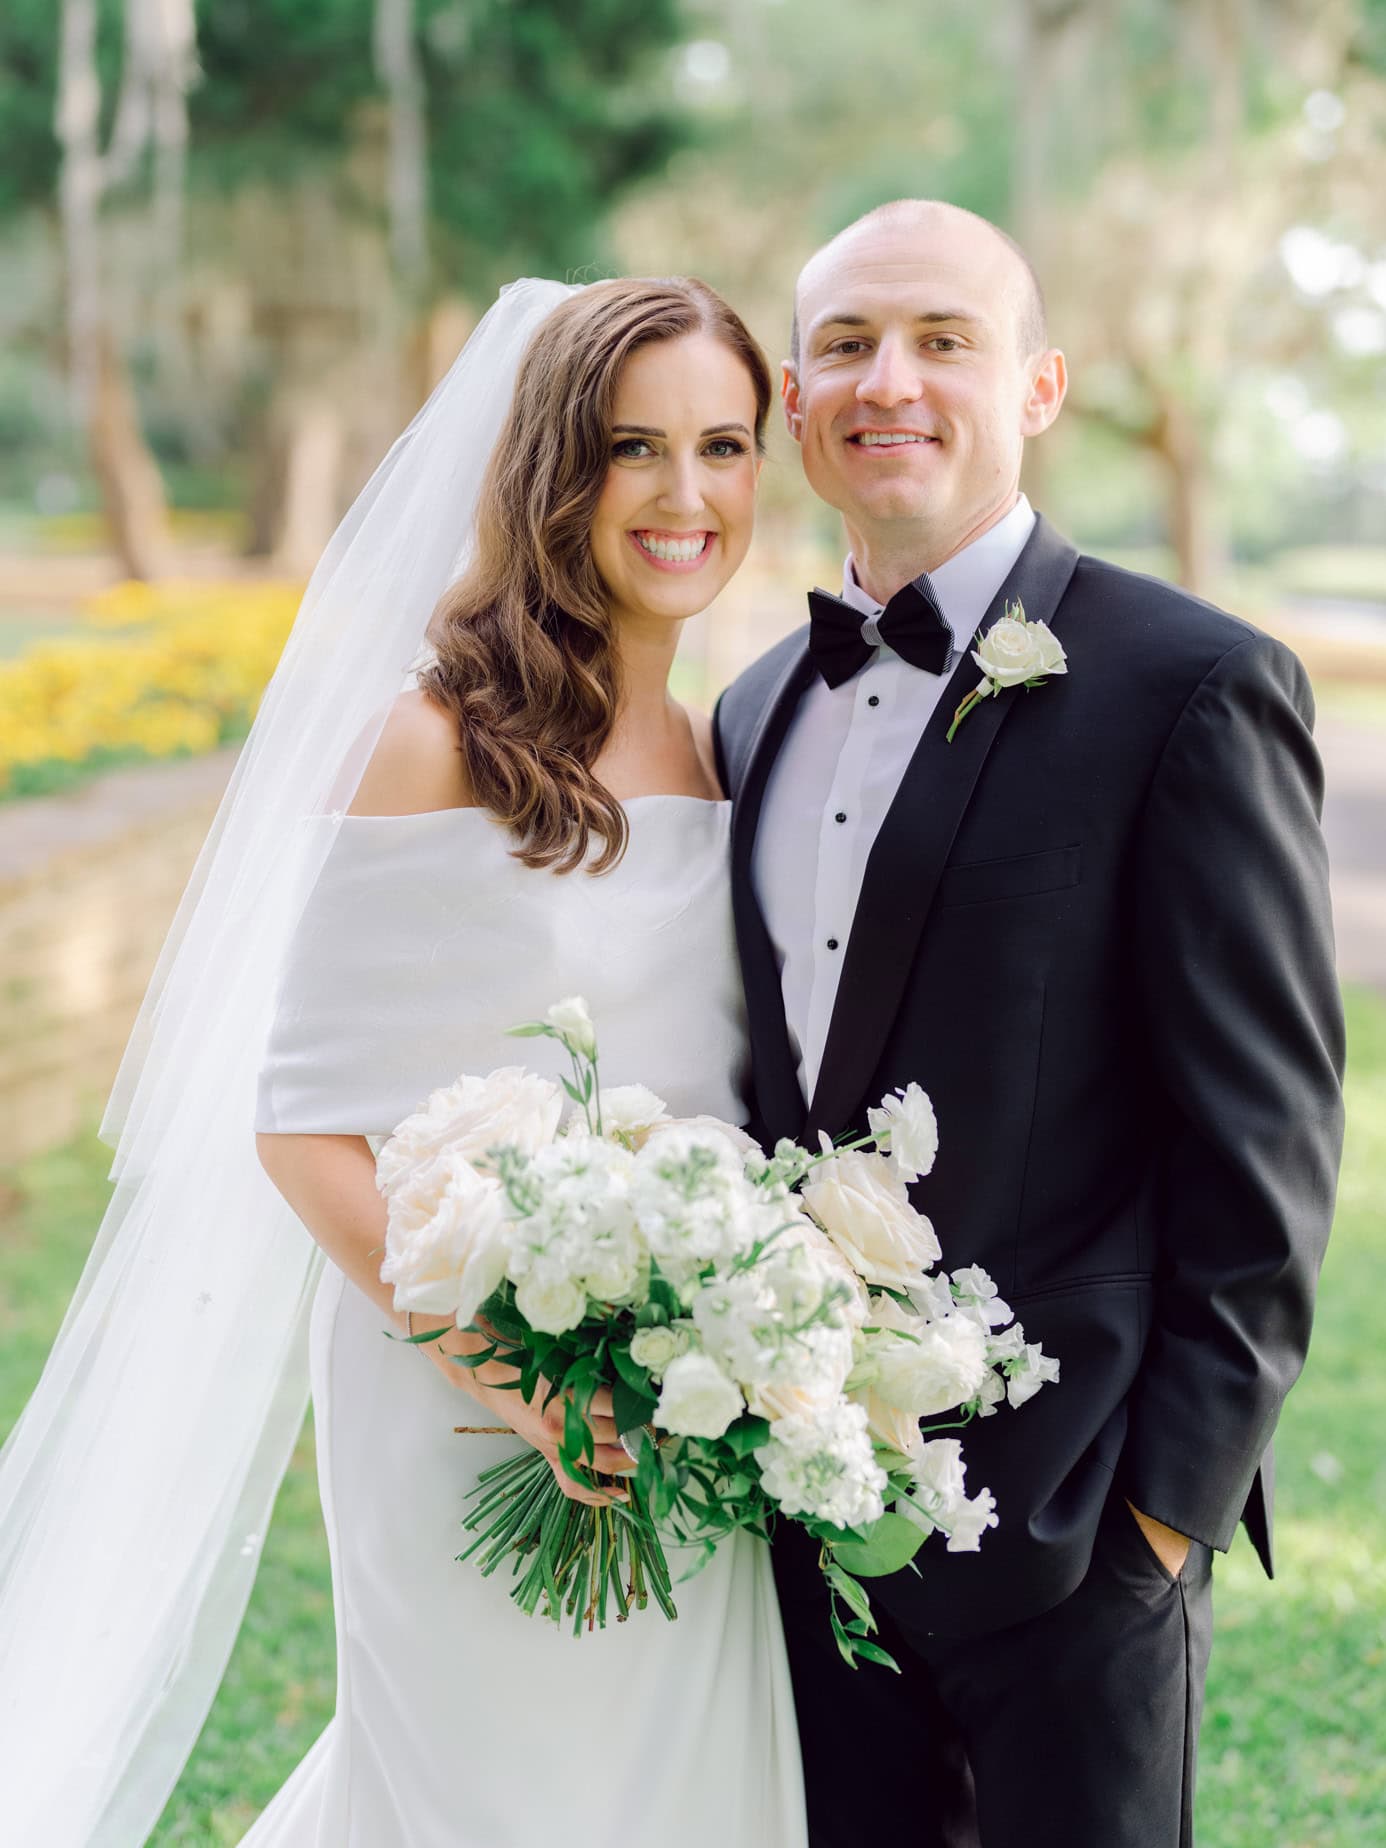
(396, 878)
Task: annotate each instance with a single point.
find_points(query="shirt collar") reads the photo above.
(966, 583)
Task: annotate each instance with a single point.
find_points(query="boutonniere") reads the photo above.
(1014, 652)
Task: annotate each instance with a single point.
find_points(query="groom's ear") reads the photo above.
(789, 394)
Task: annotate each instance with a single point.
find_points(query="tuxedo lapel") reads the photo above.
(908, 856)
(778, 1091)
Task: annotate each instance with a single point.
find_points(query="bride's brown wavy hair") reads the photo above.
(525, 640)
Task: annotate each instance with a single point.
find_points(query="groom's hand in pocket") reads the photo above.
(1169, 1547)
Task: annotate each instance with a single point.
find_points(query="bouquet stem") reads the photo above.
(567, 1558)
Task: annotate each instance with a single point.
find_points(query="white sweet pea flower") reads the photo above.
(573, 1025)
(444, 1243)
(973, 1289)
(990, 1394)
(861, 1204)
(1025, 1376)
(970, 1521)
(509, 1106)
(906, 1128)
(697, 1399)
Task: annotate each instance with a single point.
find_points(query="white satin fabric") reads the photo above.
(461, 1723)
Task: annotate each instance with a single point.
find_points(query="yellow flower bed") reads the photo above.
(167, 670)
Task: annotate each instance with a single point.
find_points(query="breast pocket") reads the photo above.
(982, 882)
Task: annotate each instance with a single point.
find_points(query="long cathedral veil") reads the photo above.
(136, 1488)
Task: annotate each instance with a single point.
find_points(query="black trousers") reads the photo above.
(1074, 1729)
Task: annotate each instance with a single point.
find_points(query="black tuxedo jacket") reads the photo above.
(1095, 928)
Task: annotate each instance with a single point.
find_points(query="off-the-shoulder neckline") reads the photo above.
(626, 802)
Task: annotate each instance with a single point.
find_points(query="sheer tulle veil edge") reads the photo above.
(135, 1490)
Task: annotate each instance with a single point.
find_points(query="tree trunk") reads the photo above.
(295, 507)
(132, 488)
(397, 64)
(1178, 443)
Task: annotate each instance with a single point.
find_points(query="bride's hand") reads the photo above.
(539, 1425)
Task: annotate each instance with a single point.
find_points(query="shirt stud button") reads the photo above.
(874, 699)
(840, 816)
(832, 943)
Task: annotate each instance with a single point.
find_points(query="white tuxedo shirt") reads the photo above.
(837, 774)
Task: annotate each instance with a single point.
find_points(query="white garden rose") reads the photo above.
(1013, 651)
(906, 1128)
(551, 1304)
(654, 1348)
(861, 1204)
(697, 1399)
(573, 1024)
(920, 1367)
(444, 1244)
(740, 1143)
(509, 1105)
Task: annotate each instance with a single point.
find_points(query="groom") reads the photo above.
(1095, 927)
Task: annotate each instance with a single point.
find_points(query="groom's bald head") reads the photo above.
(935, 229)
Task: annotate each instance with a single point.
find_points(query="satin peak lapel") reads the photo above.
(909, 853)
(774, 1072)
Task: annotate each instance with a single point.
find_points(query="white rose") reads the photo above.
(861, 1204)
(905, 1126)
(697, 1399)
(509, 1105)
(922, 1367)
(573, 1024)
(741, 1144)
(551, 1304)
(1013, 651)
(654, 1348)
(444, 1244)
(630, 1111)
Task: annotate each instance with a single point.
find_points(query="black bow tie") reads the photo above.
(911, 623)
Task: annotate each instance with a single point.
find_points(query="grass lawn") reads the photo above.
(1294, 1740)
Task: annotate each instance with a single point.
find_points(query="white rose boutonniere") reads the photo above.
(1014, 652)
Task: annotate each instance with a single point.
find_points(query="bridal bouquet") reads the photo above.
(771, 1328)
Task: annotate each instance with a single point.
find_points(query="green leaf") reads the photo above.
(888, 1545)
(747, 1434)
(534, 1029)
(630, 1370)
(872, 1652)
(850, 1592)
(631, 1408)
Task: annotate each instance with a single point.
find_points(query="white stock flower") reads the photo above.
(697, 1399)
(1014, 650)
(573, 1024)
(906, 1128)
(510, 1105)
(582, 1230)
(551, 1304)
(821, 1463)
(444, 1244)
(655, 1348)
(692, 1200)
(861, 1204)
(1025, 1376)
(630, 1111)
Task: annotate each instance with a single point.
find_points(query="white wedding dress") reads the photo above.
(461, 1723)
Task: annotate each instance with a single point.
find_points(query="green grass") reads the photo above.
(1294, 1740)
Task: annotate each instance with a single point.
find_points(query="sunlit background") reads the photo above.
(240, 240)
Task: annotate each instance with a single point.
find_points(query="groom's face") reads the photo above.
(912, 393)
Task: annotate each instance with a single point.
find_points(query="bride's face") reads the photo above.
(676, 511)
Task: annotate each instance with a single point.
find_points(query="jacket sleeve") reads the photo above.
(1244, 1024)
